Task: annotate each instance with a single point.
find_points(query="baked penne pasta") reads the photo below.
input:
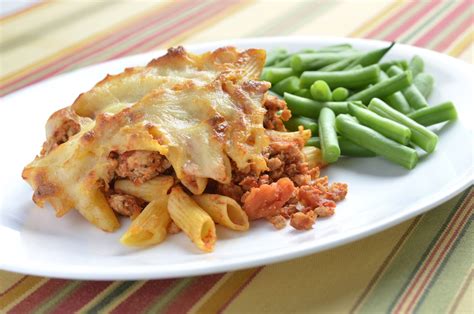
(150, 190)
(192, 219)
(150, 226)
(224, 211)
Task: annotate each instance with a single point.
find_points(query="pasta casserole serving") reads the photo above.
(183, 143)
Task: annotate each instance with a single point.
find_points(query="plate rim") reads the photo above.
(277, 255)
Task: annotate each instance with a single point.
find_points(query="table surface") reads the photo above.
(423, 265)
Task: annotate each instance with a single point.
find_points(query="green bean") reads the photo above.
(302, 106)
(303, 92)
(396, 100)
(327, 133)
(275, 75)
(434, 114)
(400, 63)
(340, 94)
(307, 123)
(384, 126)
(411, 93)
(313, 141)
(275, 56)
(371, 57)
(337, 66)
(376, 142)
(348, 148)
(424, 82)
(272, 93)
(335, 48)
(420, 135)
(289, 85)
(316, 60)
(285, 63)
(383, 88)
(416, 65)
(320, 91)
(351, 79)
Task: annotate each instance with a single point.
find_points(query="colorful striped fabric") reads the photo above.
(424, 265)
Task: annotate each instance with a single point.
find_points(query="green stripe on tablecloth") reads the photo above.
(430, 20)
(172, 293)
(452, 275)
(399, 273)
(115, 293)
(49, 304)
(448, 30)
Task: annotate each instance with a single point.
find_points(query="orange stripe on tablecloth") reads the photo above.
(391, 19)
(93, 47)
(138, 301)
(28, 304)
(129, 26)
(19, 291)
(425, 39)
(463, 44)
(367, 26)
(23, 11)
(384, 265)
(80, 297)
(183, 302)
(412, 20)
(460, 218)
(462, 291)
(451, 37)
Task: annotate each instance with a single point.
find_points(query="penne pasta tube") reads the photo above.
(194, 184)
(192, 219)
(150, 227)
(149, 190)
(314, 158)
(224, 210)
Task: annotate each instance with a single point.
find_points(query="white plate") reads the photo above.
(381, 194)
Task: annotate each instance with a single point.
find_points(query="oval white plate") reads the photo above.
(380, 195)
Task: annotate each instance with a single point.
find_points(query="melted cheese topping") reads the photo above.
(200, 111)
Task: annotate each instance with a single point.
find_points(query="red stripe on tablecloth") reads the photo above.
(425, 39)
(103, 43)
(392, 19)
(37, 297)
(451, 37)
(409, 290)
(237, 293)
(411, 21)
(139, 300)
(87, 291)
(438, 261)
(192, 294)
(171, 31)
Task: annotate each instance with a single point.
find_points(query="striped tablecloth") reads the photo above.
(423, 265)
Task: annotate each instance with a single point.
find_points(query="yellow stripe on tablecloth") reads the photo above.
(230, 284)
(20, 291)
(464, 300)
(340, 18)
(34, 50)
(459, 46)
(209, 23)
(233, 27)
(8, 279)
(318, 280)
(377, 18)
(468, 54)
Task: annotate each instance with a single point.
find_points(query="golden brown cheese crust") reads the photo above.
(199, 111)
